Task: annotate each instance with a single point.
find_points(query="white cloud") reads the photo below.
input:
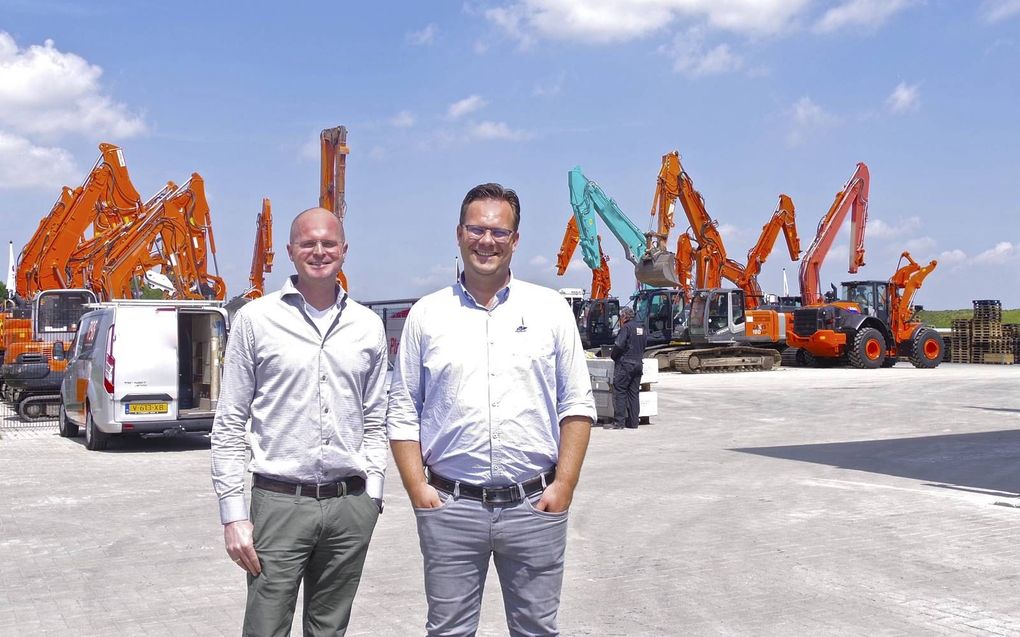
(311, 149)
(690, 57)
(538, 261)
(403, 119)
(425, 37)
(46, 92)
(437, 274)
(878, 229)
(24, 165)
(998, 10)
(920, 246)
(869, 14)
(465, 106)
(486, 130)
(808, 118)
(606, 21)
(552, 88)
(904, 98)
(1002, 252)
(952, 257)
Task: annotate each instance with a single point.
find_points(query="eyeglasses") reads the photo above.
(499, 235)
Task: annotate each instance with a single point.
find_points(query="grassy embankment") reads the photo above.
(943, 318)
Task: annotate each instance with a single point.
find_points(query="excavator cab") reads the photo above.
(717, 316)
(663, 314)
(599, 322)
(657, 266)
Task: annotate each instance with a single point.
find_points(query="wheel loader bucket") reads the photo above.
(658, 270)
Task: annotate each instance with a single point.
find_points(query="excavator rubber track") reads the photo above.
(39, 407)
(793, 357)
(734, 358)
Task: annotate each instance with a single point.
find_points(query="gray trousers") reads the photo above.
(527, 546)
(320, 542)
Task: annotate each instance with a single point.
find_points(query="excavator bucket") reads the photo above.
(657, 269)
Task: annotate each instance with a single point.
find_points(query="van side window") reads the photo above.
(87, 337)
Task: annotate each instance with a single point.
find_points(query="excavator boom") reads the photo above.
(333, 177)
(853, 196)
(262, 253)
(587, 200)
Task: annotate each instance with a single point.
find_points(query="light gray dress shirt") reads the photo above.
(316, 401)
(484, 390)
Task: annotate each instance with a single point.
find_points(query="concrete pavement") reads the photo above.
(791, 502)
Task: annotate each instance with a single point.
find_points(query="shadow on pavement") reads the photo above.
(986, 461)
(152, 443)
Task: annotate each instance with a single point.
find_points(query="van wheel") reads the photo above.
(95, 440)
(66, 428)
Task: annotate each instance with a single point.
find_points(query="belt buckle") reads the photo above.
(317, 487)
(485, 496)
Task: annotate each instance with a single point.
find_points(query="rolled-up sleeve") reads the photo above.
(374, 438)
(233, 410)
(403, 415)
(573, 383)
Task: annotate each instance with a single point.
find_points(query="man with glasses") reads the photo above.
(489, 416)
(307, 366)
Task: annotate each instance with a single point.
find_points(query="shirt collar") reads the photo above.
(501, 294)
(290, 289)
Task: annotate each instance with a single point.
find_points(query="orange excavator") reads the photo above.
(105, 200)
(853, 199)
(783, 219)
(173, 234)
(332, 181)
(597, 315)
(872, 325)
(600, 278)
(262, 253)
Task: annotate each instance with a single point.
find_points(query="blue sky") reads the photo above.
(760, 97)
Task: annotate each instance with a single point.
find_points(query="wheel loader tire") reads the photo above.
(868, 349)
(927, 348)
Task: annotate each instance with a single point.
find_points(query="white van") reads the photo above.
(140, 366)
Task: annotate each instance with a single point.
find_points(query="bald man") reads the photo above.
(307, 366)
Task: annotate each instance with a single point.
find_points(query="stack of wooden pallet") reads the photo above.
(984, 338)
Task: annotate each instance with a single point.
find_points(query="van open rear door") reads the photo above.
(145, 349)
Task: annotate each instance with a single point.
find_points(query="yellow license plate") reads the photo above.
(146, 408)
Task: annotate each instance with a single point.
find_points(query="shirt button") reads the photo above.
(494, 404)
(325, 410)
(323, 378)
(325, 442)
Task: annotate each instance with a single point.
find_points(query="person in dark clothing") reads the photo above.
(627, 353)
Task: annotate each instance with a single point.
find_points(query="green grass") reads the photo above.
(943, 318)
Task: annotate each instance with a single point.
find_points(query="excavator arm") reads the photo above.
(853, 197)
(601, 281)
(333, 176)
(262, 254)
(902, 287)
(587, 200)
(684, 263)
(106, 198)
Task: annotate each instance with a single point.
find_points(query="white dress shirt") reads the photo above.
(484, 390)
(316, 398)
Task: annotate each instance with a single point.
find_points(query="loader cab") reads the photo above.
(717, 315)
(663, 314)
(871, 296)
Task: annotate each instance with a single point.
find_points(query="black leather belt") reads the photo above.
(354, 484)
(493, 495)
